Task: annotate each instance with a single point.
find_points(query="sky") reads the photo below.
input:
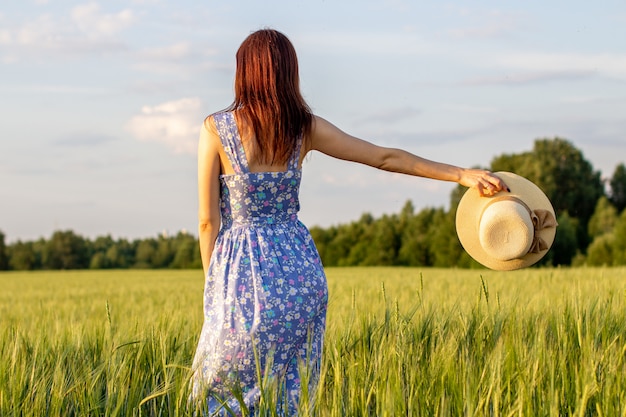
(101, 102)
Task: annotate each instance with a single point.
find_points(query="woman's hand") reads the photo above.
(485, 182)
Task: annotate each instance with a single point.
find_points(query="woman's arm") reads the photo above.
(332, 141)
(208, 191)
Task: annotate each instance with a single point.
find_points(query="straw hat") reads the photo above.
(509, 230)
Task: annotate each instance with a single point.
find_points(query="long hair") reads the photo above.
(268, 98)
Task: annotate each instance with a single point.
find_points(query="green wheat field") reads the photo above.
(399, 342)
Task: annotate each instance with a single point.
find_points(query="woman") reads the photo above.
(265, 293)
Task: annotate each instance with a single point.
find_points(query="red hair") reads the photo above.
(267, 96)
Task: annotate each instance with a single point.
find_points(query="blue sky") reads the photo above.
(102, 101)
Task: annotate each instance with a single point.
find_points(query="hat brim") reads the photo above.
(471, 207)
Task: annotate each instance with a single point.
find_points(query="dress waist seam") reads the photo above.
(260, 222)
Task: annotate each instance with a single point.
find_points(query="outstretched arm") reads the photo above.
(332, 141)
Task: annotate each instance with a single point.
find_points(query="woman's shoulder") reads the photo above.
(212, 119)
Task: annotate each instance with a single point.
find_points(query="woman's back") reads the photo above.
(255, 197)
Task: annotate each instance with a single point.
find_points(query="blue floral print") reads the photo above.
(265, 294)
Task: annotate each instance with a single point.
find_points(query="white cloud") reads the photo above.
(89, 19)
(42, 30)
(86, 30)
(174, 123)
(612, 65)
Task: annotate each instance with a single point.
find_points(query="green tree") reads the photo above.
(618, 188)
(145, 253)
(4, 258)
(187, 251)
(165, 252)
(603, 219)
(565, 243)
(65, 250)
(99, 261)
(445, 249)
(321, 237)
(415, 247)
(330, 253)
(619, 242)
(121, 254)
(407, 212)
(22, 256)
(358, 237)
(99, 249)
(347, 245)
(383, 241)
(600, 251)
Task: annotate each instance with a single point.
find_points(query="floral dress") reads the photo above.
(265, 294)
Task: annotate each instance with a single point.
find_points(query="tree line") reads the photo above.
(68, 250)
(590, 212)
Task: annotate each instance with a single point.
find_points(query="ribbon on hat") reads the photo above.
(542, 219)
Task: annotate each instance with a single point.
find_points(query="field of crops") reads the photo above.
(400, 342)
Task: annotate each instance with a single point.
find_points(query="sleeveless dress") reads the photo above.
(265, 294)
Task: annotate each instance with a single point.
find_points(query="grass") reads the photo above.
(400, 341)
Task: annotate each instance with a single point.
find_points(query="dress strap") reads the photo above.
(229, 136)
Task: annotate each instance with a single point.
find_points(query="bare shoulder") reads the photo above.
(209, 124)
(323, 131)
(209, 136)
(332, 141)
(321, 126)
